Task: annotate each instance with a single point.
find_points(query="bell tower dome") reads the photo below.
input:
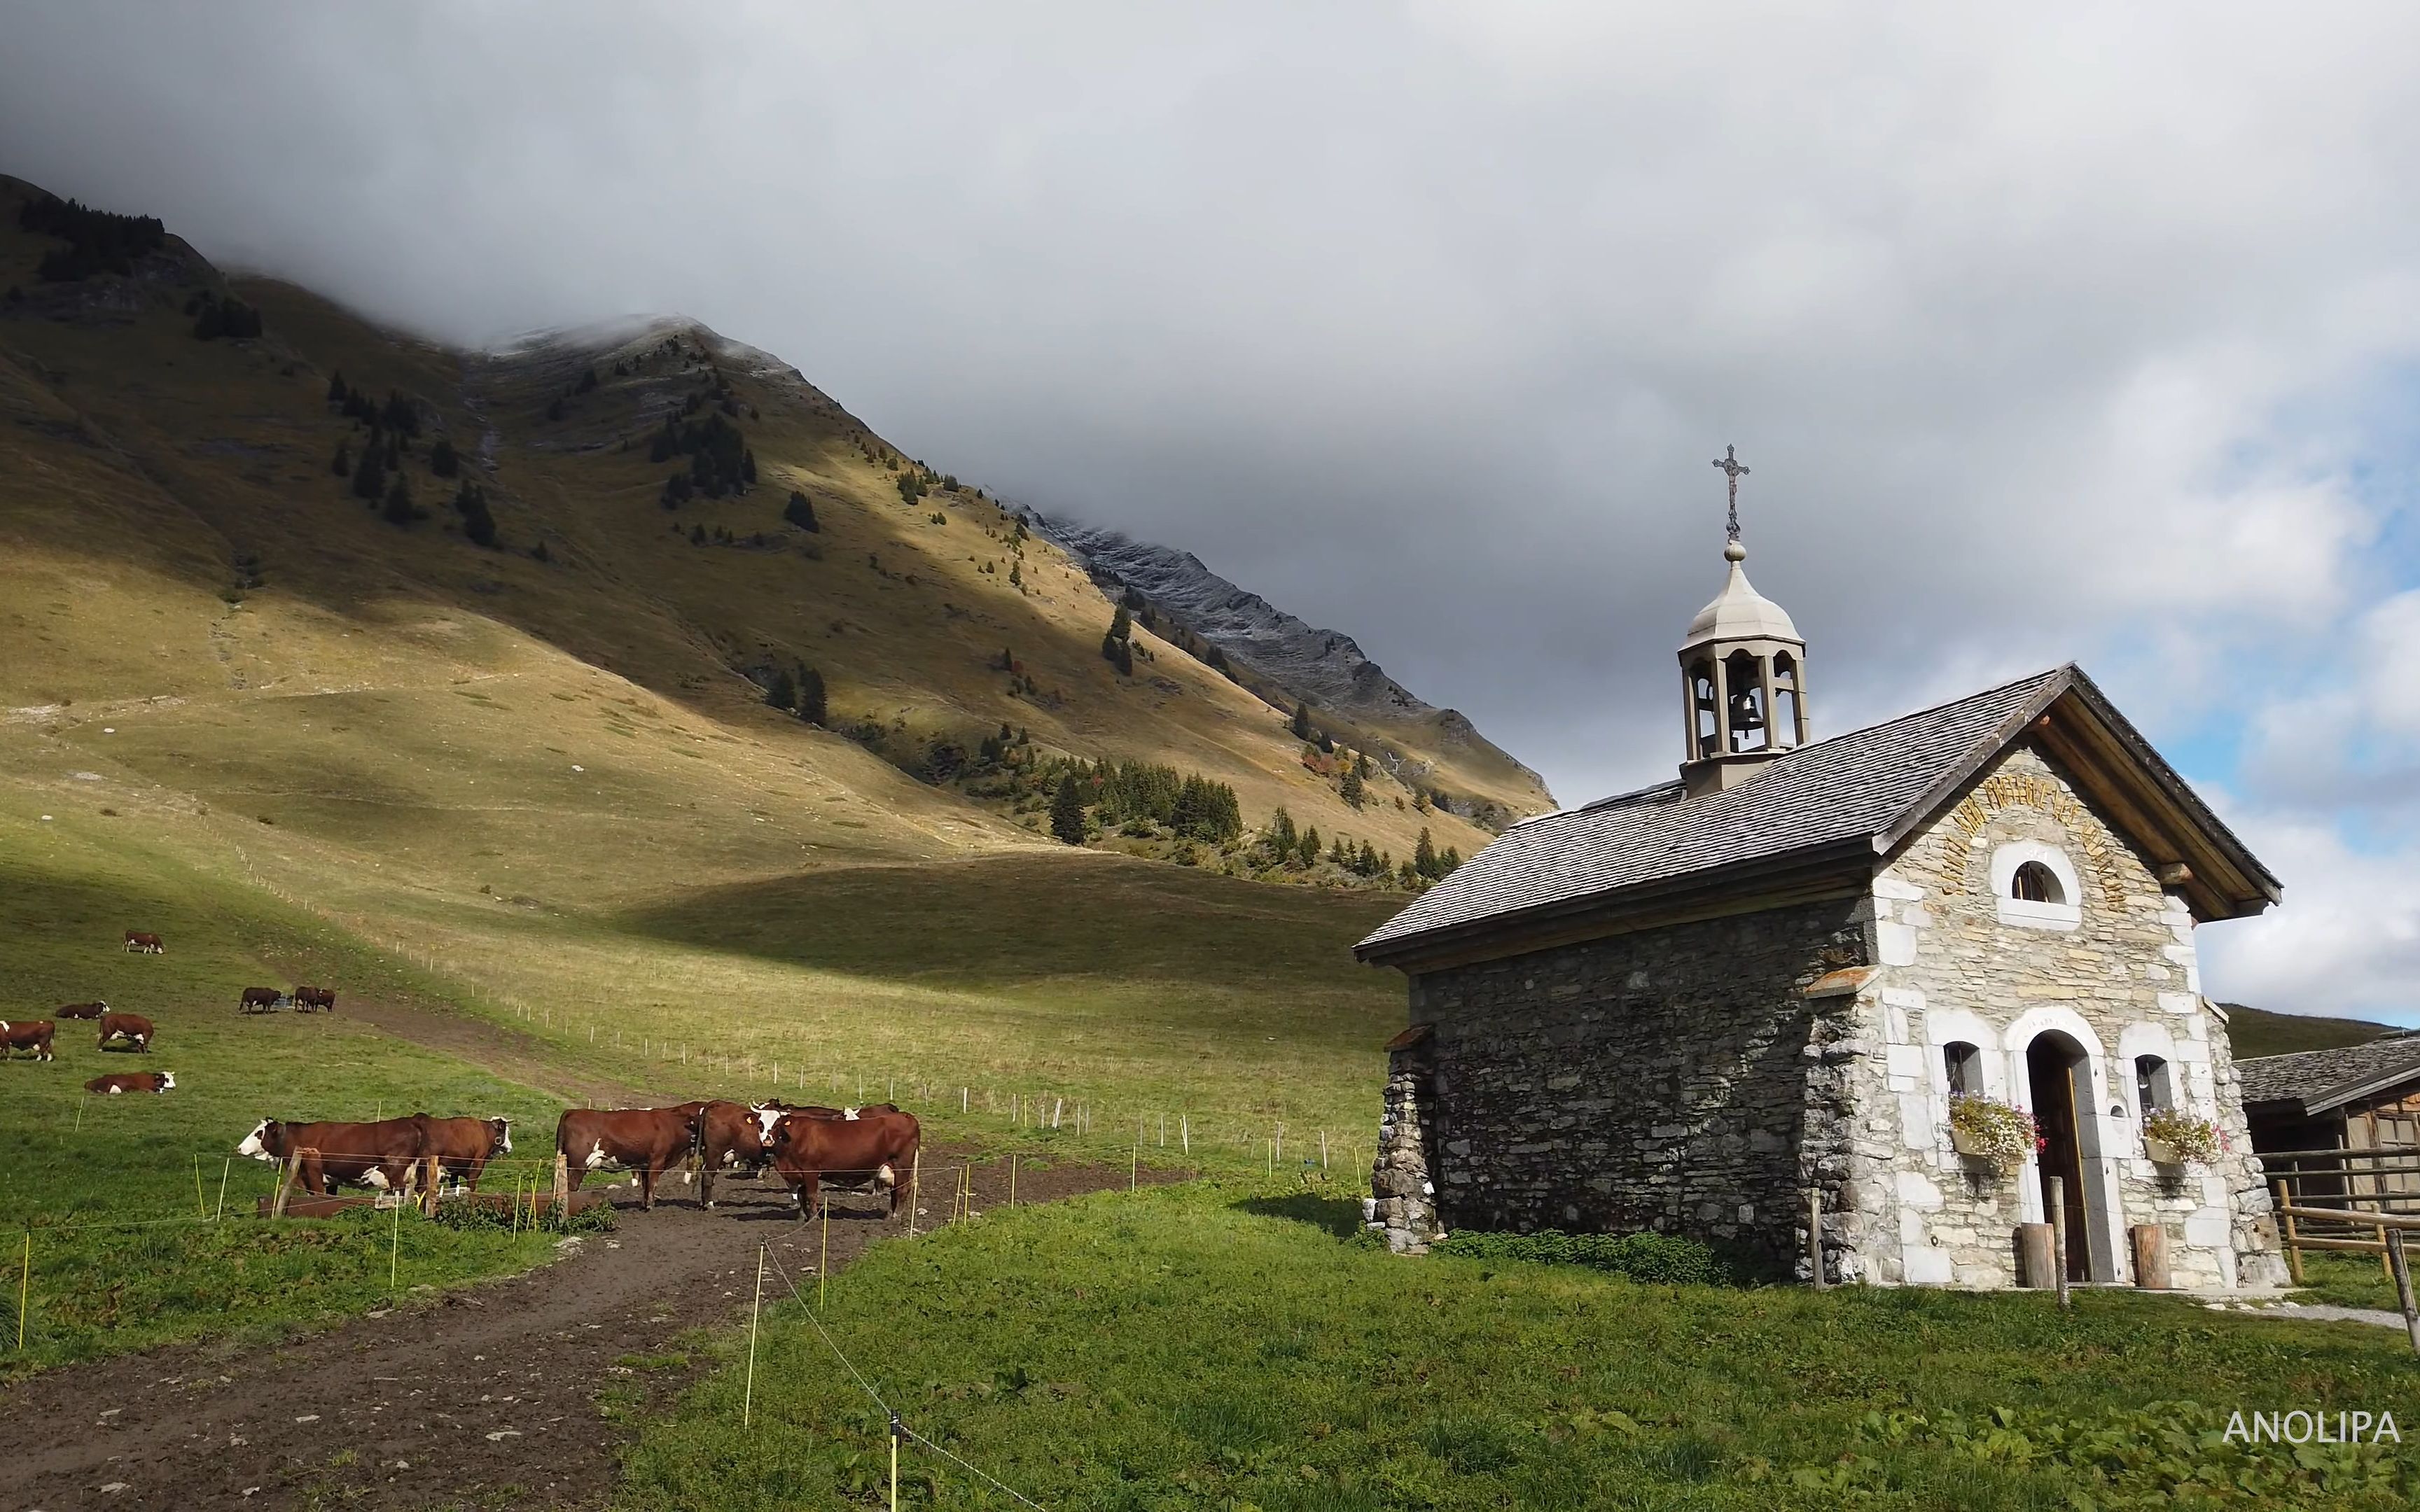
(1742, 673)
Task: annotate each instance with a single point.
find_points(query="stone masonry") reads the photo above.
(1672, 1079)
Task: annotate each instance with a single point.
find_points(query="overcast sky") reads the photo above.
(2052, 334)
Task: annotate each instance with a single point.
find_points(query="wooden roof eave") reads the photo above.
(2121, 772)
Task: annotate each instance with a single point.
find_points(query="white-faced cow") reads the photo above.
(26, 1034)
(650, 1141)
(148, 943)
(731, 1139)
(869, 1152)
(132, 1081)
(379, 1155)
(132, 1028)
(83, 1010)
(463, 1147)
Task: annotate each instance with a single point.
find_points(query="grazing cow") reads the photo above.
(132, 1081)
(873, 1151)
(379, 1155)
(320, 997)
(264, 998)
(83, 1010)
(463, 1147)
(25, 1034)
(132, 1028)
(148, 943)
(650, 1141)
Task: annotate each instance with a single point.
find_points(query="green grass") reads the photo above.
(113, 1191)
(1217, 1346)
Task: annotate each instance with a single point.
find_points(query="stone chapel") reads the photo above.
(1688, 1008)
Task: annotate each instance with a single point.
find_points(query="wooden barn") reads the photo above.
(2358, 1097)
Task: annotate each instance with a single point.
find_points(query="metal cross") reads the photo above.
(1729, 463)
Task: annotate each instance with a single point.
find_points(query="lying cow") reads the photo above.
(319, 998)
(83, 1010)
(379, 1155)
(148, 943)
(872, 1152)
(264, 999)
(650, 1141)
(132, 1028)
(132, 1081)
(26, 1034)
(463, 1147)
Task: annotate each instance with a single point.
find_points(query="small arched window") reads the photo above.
(2035, 882)
(1965, 1064)
(2154, 1089)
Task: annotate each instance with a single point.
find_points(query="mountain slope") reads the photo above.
(153, 481)
(1289, 660)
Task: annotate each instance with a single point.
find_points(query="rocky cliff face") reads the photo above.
(1289, 659)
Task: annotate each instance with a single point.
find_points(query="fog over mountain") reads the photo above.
(2068, 333)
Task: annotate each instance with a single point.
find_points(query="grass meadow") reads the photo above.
(116, 1199)
(1235, 1344)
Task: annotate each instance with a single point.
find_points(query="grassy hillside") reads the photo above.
(2252, 1031)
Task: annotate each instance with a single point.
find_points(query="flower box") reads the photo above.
(2162, 1152)
(2173, 1138)
(1984, 1129)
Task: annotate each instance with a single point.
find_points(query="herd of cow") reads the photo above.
(869, 1148)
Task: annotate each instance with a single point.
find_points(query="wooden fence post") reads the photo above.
(433, 1173)
(2400, 1264)
(2286, 1231)
(285, 1179)
(2058, 1235)
(562, 1184)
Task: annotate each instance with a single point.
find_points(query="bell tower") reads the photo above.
(1742, 674)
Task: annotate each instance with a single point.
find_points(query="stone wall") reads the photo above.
(1674, 1079)
(1403, 1201)
(2114, 969)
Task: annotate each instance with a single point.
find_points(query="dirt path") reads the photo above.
(508, 1053)
(509, 1394)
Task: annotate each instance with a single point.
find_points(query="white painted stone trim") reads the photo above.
(2013, 854)
(2100, 1144)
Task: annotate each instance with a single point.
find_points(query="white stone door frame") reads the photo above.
(2099, 1143)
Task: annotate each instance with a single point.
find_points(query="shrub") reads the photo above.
(1663, 1259)
(226, 316)
(800, 512)
(399, 508)
(811, 695)
(478, 522)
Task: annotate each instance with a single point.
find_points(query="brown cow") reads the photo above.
(148, 943)
(379, 1155)
(464, 1145)
(264, 998)
(26, 1034)
(320, 997)
(873, 1151)
(730, 1138)
(132, 1081)
(84, 1010)
(133, 1028)
(650, 1141)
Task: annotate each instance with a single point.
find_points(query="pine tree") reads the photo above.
(369, 475)
(343, 465)
(478, 522)
(399, 510)
(1301, 721)
(1449, 862)
(784, 694)
(1336, 856)
(1281, 833)
(811, 697)
(1362, 766)
(1067, 811)
(1016, 575)
(1352, 792)
(800, 512)
(442, 460)
(336, 387)
(1326, 746)
(1121, 625)
(748, 467)
(1308, 850)
(1424, 856)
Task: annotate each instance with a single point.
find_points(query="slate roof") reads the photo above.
(1850, 787)
(2323, 1079)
